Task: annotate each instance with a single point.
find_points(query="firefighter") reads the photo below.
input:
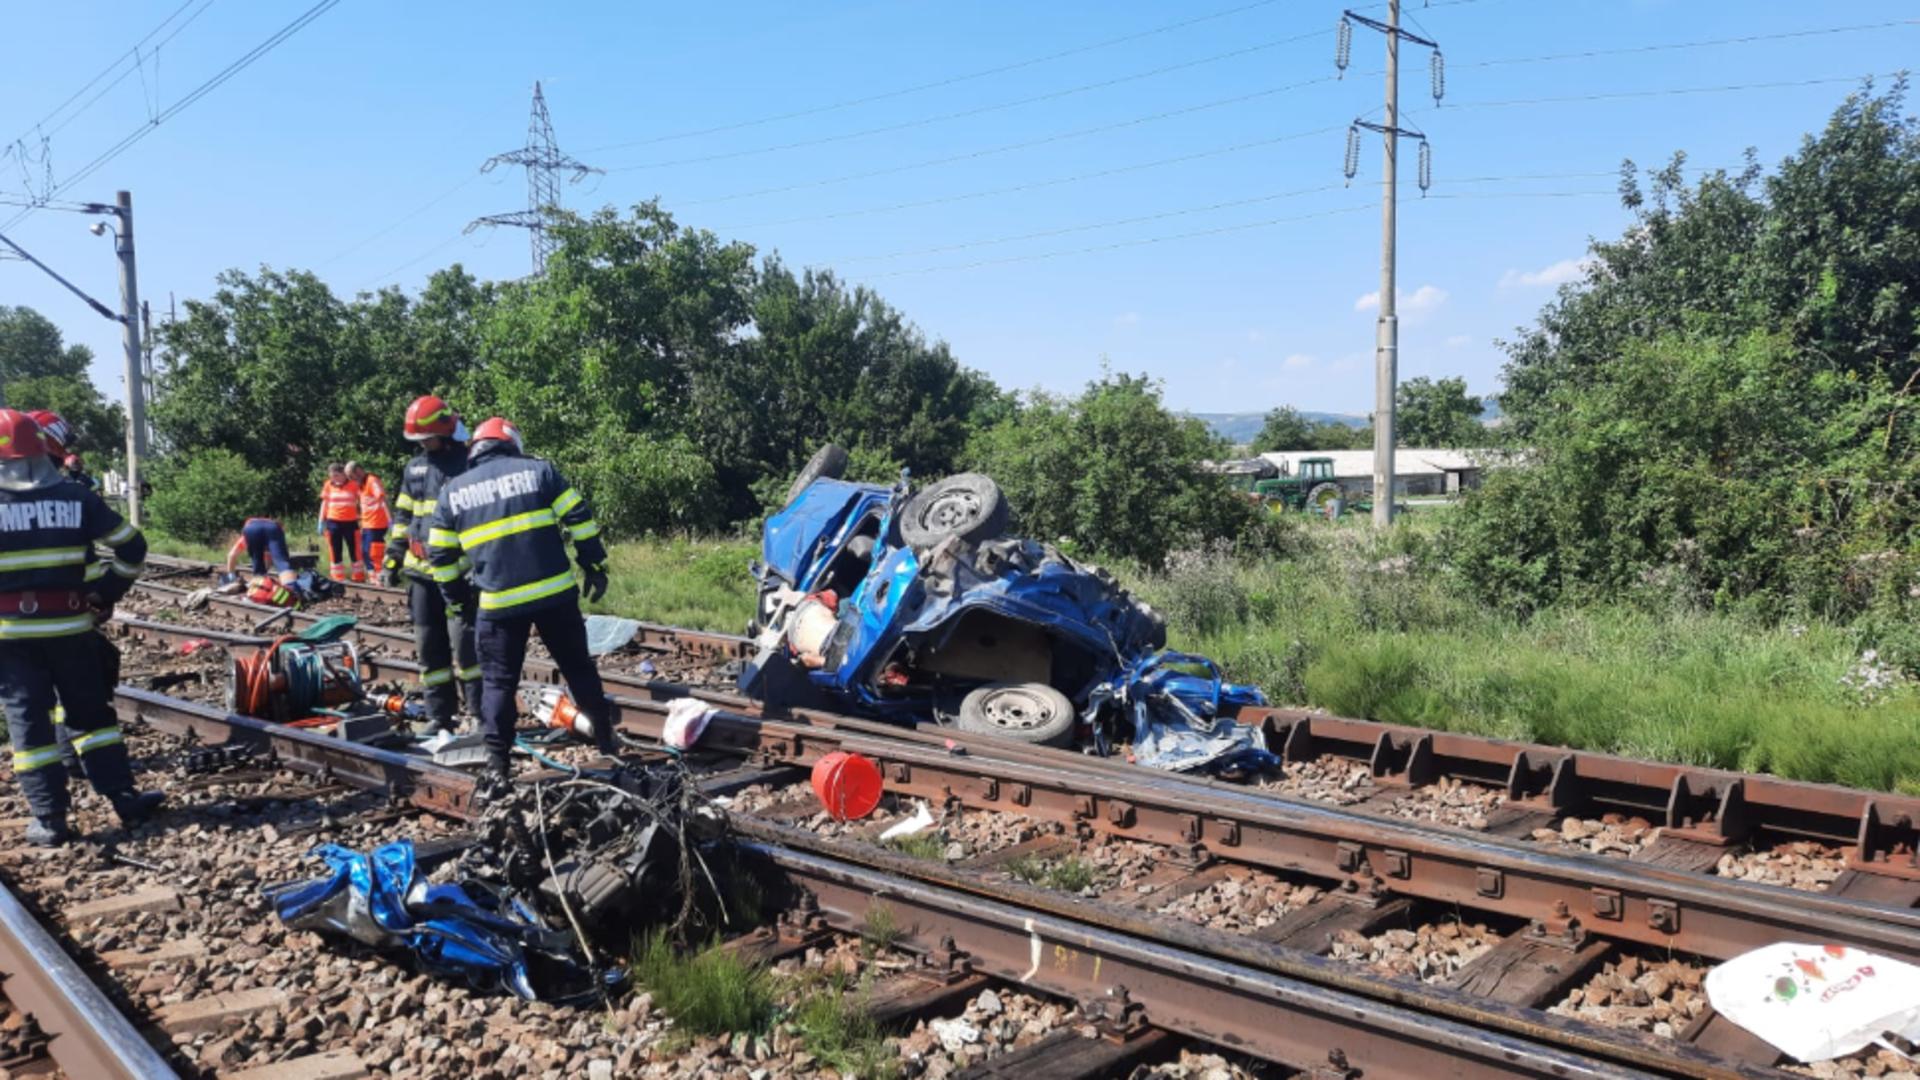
(506, 520)
(442, 635)
(55, 434)
(340, 522)
(374, 518)
(54, 590)
(76, 471)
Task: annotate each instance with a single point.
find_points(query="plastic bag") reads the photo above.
(1815, 1002)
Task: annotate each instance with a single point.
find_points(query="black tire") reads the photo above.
(828, 463)
(967, 505)
(1321, 496)
(1024, 712)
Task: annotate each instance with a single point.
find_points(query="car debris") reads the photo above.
(912, 604)
(556, 877)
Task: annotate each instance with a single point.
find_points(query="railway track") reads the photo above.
(1128, 977)
(1558, 916)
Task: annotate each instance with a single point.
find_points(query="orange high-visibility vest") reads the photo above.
(340, 502)
(373, 504)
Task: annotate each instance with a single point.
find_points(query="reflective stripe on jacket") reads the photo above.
(340, 502)
(413, 508)
(373, 503)
(47, 539)
(510, 517)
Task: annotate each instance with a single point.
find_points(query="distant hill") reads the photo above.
(1242, 427)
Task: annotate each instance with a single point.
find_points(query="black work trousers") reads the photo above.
(76, 673)
(503, 650)
(443, 641)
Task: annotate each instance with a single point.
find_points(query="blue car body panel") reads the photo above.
(800, 540)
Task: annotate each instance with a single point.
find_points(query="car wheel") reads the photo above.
(968, 505)
(1026, 712)
(828, 463)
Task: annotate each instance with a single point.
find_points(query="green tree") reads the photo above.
(38, 370)
(1723, 409)
(1437, 413)
(1113, 470)
(1286, 429)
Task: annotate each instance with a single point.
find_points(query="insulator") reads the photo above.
(1343, 46)
(1426, 166)
(1437, 69)
(1353, 152)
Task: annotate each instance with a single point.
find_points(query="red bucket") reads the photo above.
(847, 784)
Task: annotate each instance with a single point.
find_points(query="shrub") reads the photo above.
(205, 496)
(640, 484)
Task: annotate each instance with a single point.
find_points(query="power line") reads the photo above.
(952, 80)
(132, 53)
(962, 114)
(1070, 229)
(1747, 39)
(1243, 227)
(402, 220)
(1117, 170)
(1666, 92)
(215, 82)
(1024, 144)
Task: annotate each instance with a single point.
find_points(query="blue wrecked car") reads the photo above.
(913, 604)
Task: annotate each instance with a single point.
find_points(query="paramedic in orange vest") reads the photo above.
(373, 519)
(340, 521)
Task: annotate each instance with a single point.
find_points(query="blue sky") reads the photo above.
(1176, 205)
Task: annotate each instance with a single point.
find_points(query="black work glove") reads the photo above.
(596, 583)
(459, 596)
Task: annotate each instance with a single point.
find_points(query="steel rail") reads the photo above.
(1627, 901)
(1128, 984)
(1181, 989)
(87, 1034)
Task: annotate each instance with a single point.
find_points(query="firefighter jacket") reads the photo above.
(510, 515)
(48, 563)
(413, 508)
(340, 502)
(373, 503)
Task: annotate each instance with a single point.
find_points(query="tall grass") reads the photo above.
(709, 992)
(1371, 629)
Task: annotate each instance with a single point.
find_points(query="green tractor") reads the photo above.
(1312, 488)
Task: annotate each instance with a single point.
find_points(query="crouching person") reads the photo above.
(508, 517)
(54, 591)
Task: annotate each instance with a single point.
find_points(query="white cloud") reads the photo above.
(1298, 360)
(1418, 302)
(1131, 318)
(1547, 276)
(1458, 341)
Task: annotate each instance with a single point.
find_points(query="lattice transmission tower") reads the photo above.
(544, 163)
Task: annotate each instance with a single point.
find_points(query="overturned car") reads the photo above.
(914, 605)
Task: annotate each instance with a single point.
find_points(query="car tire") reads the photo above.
(1024, 712)
(967, 505)
(828, 463)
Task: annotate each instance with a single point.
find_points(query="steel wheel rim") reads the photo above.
(1016, 709)
(951, 511)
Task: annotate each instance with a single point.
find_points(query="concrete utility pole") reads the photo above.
(1386, 350)
(130, 337)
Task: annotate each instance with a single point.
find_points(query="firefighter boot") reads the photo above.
(48, 832)
(135, 807)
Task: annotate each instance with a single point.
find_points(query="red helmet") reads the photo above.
(20, 437)
(430, 415)
(73, 462)
(53, 430)
(496, 428)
